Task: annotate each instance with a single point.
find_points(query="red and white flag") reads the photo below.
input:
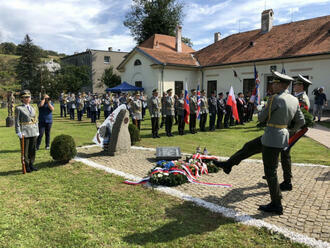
(231, 101)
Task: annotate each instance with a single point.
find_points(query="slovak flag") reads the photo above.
(198, 102)
(186, 105)
(255, 97)
(231, 101)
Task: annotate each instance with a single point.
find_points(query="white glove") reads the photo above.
(260, 107)
(19, 135)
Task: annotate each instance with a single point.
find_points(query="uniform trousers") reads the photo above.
(88, 112)
(202, 121)
(168, 124)
(219, 119)
(212, 121)
(106, 114)
(137, 123)
(93, 116)
(29, 150)
(98, 113)
(154, 125)
(192, 123)
(253, 147)
(72, 113)
(44, 128)
(181, 124)
(79, 114)
(63, 110)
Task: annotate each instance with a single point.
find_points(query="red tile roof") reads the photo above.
(299, 38)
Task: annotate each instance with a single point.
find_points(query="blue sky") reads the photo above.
(73, 25)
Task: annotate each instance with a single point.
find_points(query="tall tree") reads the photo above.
(109, 78)
(72, 78)
(148, 17)
(27, 67)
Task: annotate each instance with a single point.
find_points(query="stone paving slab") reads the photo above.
(306, 207)
(321, 134)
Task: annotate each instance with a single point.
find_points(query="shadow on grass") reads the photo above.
(9, 151)
(91, 155)
(10, 173)
(186, 222)
(49, 164)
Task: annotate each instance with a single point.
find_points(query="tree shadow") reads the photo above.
(49, 164)
(188, 220)
(91, 155)
(325, 177)
(10, 173)
(9, 151)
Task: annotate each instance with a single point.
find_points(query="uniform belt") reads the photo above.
(28, 123)
(276, 125)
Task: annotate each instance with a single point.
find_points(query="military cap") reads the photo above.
(220, 94)
(302, 80)
(202, 91)
(137, 93)
(213, 92)
(25, 93)
(169, 90)
(281, 78)
(154, 91)
(193, 90)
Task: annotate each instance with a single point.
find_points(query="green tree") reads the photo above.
(72, 78)
(27, 66)
(8, 48)
(148, 17)
(109, 78)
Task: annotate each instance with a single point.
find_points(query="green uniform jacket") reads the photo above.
(136, 108)
(280, 110)
(154, 106)
(204, 105)
(193, 104)
(169, 105)
(26, 123)
(303, 99)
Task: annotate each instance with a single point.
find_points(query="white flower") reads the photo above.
(166, 174)
(160, 175)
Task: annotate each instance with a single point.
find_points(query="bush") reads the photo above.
(134, 133)
(63, 148)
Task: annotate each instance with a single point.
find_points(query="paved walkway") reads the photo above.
(306, 207)
(320, 133)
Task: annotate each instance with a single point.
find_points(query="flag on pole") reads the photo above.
(255, 97)
(198, 102)
(231, 101)
(283, 70)
(186, 105)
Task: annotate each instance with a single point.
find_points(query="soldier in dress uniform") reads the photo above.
(93, 108)
(299, 87)
(136, 110)
(154, 110)
(63, 101)
(87, 100)
(26, 124)
(281, 110)
(204, 110)
(72, 105)
(213, 109)
(99, 103)
(221, 109)
(181, 113)
(163, 99)
(193, 112)
(80, 106)
(169, 112)
(106, 101)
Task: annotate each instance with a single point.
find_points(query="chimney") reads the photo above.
(109, 49)
(267, 20)
(178, 45)
(217, 36)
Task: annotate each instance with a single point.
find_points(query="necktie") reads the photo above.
(29, 108)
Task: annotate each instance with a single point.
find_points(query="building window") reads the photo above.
(138, 84)
(178, 87)
(248, 86)
(211, 86)
(137, 62)
(106, 59)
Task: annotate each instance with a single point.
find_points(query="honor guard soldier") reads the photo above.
(106, 101)
(136, 110)
(93, 108)
(169, 112)
(80, 106)
(154, 110)
(72, 105)
(88, 99)
(163, 99)
(299, 87)
(281, 110)
(213, 109)
(98, 104)
(26, 127)
(181, 113)
(204, 110)
(193, 112)
(221, 109)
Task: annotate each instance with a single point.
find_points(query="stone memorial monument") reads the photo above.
(11, 105)
(120, 140)
(168, 153)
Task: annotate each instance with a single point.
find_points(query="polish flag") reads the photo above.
(231, 101)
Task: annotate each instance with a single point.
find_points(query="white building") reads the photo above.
(301, 47)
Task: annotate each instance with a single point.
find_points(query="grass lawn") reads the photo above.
(74, 205)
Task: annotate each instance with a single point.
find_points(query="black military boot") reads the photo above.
(272, 208)
(285, 186)
(33, 168)
(226, 167)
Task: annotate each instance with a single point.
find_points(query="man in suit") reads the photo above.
(169, 112)
(281, 110)
(241, 107)
(181, 113)
(221, 109)
(26, 124)
(193, 112)
(213, 109)
(154, 110)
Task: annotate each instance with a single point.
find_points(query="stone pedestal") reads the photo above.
(9, 121)
(120, 140)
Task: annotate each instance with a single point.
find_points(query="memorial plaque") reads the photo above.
(168, 153)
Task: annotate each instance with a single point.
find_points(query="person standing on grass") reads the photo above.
(72, 105)
(213, 109)
(281, 110)
(26, 125)
(221, 109)
(154, 110)
(46, 108)
(63, 100)
(80, 106)
(204, 111)
(193, 111)
(135, 107)
(93, 108)
(181, 113)
(169, 112)
(319, 103)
